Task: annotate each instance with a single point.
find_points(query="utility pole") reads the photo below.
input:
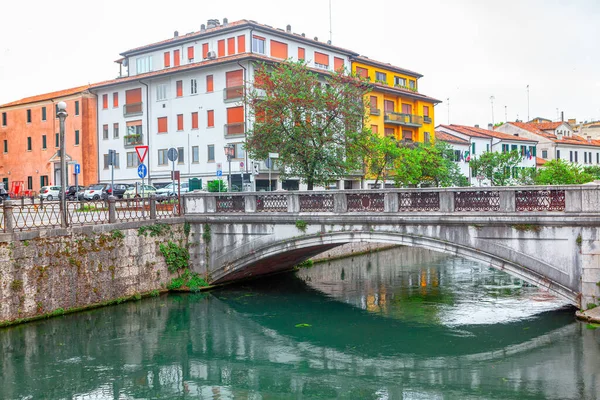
(448, 103)
(505, 113)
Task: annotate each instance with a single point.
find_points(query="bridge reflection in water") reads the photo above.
(363, 342)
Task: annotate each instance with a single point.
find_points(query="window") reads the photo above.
(161, 92)
(29, 143)
(77, 104)
(3, 119)
(29, 182)
(104, 102)
(426, 111)
(221, 48)
(412, 84)
(557, 154)
(105, 161)
(544, 154)
(374, 128)
(193, 86)
(162, 125)
(597, 158)
(44, 180)
(210, 118)
(211, 152)
(162, 157)
(167, 59)
(105, 131)
(5, 146)
(195, 154)
(398, 81)
(301, 54)
(258, 44)
(76, 138)
(338, 64)
(239, 151)
(117, 163)
(373, 103)
(44, 144)
(388, 106)
(427, 139)
(241, 42)
(132, 160)
(194, 120)
(180, 155)
(230, 46)
(28, 116)
(321, 60)
(473, 148)
(407, 108)
(176, 58)
(576, 156)
(585, 157)
(43, 113)
(513, 147)
(116, 130)
(190, 53)
(571, 156)
(205, 51)
(143, 64)
(457, 154)
(389, 132)
(179, 85)
(279, 49)
(235, 121)
(362, 72)
(56, 140)
(407, 136)
(487, 147)
(115, 102)
(380, 76)
(134, 127)
(234, 80)
(179, 122)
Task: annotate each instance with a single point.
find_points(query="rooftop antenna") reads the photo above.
(492, 98)
(330, 34)
(448, 101)
(505, 113)
(528, 119)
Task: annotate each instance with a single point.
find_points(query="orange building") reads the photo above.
(29, 139)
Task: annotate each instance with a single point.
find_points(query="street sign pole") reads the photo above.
(271, 157)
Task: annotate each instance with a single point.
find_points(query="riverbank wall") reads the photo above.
(55, 271)
(350, 250)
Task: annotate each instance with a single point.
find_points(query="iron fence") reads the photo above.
(232, 204)
(168, 208)
(365, 202)
(93, 212)
(41, 215)
(540, 200)
(419, 201)
(480, 200)
(272, 203)
(316, 202)
(137, 209)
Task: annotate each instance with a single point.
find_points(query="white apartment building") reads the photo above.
(480, 141)
(557, 141)
(186, 93)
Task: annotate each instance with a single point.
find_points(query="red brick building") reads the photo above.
(29, 139)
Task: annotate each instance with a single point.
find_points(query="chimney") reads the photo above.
(288, 29)
(476, 125)
(225, 21)
(303, 35)
(329, 42)
(316, 39)
(589, 139)
(490, 127)
(202, 28)
(176, 34)
(212, 23)
(562, 116)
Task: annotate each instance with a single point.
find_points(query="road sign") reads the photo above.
(219, 172)
(142, 171)
(175, 175)
(77, 169)
(255, 167)
(172, 154)
(268, 163)
(219, 169)
(112, 157)
(241, 165)
(141, 152)
(273, 155)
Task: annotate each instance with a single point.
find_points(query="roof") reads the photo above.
(574, 139)
(540, 161)
(47, 96)
(405, 92)
(232, 26)
(388, 66)
(547, 126)
(446, 137)
(484, 133)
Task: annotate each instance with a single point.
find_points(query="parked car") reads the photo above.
(136, 191)
(95, 192)
(160, 185)
(49, 193)
(168, 190)
(3, 195)
(120, 189)
(72, 192)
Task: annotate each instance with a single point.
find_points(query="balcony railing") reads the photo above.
(233, 93)
(375, 111)
(235, 129)
(133, 140)
(132, 109)
(404, 119)
(427, 119)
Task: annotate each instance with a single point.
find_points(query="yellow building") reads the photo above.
(397, 109)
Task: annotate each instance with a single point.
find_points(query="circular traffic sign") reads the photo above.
(142, 171)
(172, 154)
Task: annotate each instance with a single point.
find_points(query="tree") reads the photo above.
(438, 166)
(380, 153)
(217, 186)
(496, 166)
(314, 122)
(559, 172)
(593, 170)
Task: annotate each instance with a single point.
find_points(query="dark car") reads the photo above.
(72, 192)
(120, 189)
(3, 195)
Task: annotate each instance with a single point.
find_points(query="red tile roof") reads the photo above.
(546, 126)
(402, 91)
(388, 66)
(484, 133)
(47, 96)
(540, 161)
(446, 137)
(574, 139)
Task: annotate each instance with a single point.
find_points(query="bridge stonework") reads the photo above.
(547, 236)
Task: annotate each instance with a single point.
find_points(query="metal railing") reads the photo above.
(239, 128)
(133, 109)
(233, 93)
(403, 119)
(133, 140)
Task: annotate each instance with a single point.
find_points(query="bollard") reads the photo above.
(152, 207)
(112, 211)
(9, 220)
(340, 202)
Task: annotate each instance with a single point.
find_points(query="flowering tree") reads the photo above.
(314, 121)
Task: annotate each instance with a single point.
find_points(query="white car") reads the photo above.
(94, 192)
(136, 191)
(168, 190)
(49, 192)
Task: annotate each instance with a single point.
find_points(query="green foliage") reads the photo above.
(187, 228)
(315, 123)
(301, 225)
(578, 241)
(136, 296)
(90, 208)
(527, 227)
(57, 312)
(527, 176)
(206, 233)
(16, 285)
(176, 283)
(153, 230)
(188, 279)
(306, 264)
(303, 325)
(176, 257)
(217, 186)
(591, 305)
(496, 166)
(560, 172)
(593, 170)
(155, 293)
(117, 234)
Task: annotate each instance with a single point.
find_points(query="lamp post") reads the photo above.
(61, 113)
(229, 150)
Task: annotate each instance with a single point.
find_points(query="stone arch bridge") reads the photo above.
(548, 236)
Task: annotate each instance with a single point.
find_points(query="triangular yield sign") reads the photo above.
(141, 152)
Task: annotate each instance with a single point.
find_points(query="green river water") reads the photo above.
(398, 324)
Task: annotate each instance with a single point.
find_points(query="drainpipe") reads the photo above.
(147, 127)
(97, 139)
(52, 137)
(245, 118)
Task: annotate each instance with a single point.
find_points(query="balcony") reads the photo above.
(427, 119)
(235, 130)
(411, 120)
(375, 111)
(133, 109)
(233, 93)
(133, 140)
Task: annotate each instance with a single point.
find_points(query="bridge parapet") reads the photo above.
(513, 199)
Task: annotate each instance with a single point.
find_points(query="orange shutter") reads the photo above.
(116, 99)
(210, 118)
(179, 122)
(301, 53)
(209, 83)
(426, 111)
(133, 96)
(373, 102)
(162, 125)
(191, 53)
(179, 88)
(406, 109)
(279, 50)
(235, 115)
(321, 58)
(388, 106)
(176, 58)
(234, 78)
(104, 101)
(374, 129)
(204, 51)
(362, 72)
(194, 120)
(338, 64)
(230, 46)
(241, 44)
(221, 47)
(167, 59)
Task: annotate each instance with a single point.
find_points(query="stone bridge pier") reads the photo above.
(547, 236)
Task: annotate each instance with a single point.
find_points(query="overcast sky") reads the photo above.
(467, 50)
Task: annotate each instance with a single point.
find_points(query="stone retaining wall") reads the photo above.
(347, 250)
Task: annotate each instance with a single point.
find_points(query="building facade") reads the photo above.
(29, 133)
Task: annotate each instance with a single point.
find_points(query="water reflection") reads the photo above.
(242, 342)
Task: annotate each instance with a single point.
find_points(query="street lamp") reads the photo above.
(61, 113)
(229, 152)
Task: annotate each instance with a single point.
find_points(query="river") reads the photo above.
(399, 324)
